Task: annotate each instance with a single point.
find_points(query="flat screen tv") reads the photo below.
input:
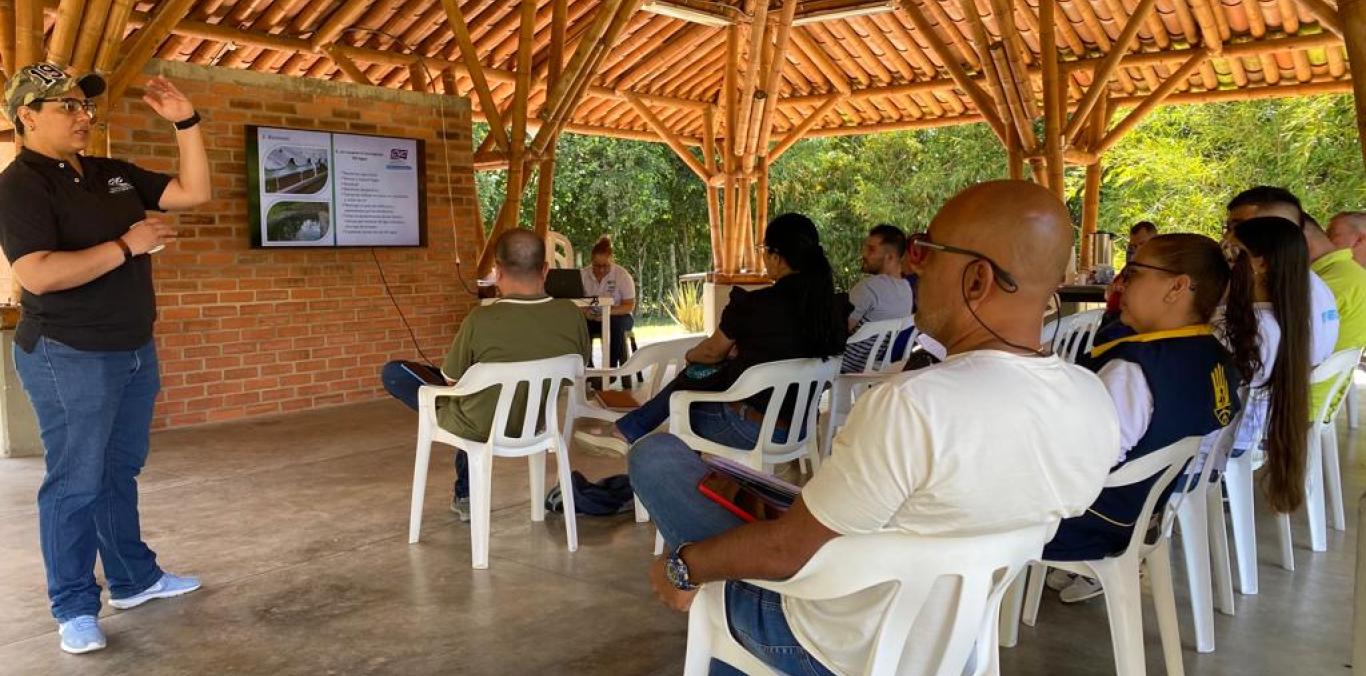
(328, 189)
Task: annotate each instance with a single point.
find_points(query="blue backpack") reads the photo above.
(610, 496)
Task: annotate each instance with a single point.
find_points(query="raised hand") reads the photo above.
(166, 100)
(149, 235)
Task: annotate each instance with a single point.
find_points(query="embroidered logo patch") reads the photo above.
(1223, 402)
(118, 185)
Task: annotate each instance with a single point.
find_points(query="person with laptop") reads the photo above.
(523, 324)
(604, 278)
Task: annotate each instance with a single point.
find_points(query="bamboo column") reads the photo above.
(713, 203)
(28, 33)
(517, 166)
(545, 181)
(1090, 205)
(730, 221)
(7, 47)
(64, 31)
(1353, 13)
(1053, 94)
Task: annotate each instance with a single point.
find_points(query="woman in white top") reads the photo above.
(604, 278)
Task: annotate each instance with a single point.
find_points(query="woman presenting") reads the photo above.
(76, 231)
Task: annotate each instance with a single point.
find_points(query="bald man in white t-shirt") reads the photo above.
(1001, 436)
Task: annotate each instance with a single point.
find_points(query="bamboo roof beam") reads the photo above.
(7, 25)
(710, 14)
(802, 128)
(984, 104)
(867, 59)
(28, 33)
(589, 49)
(1024, 127)
(1353, 13)
(895, 35)
(758, 36)
(1150, 103)
(1325, 14)
(844, 58)
(475, 69)
(167, 15)
(1102, 75)
(347, 66)
(64, 31)
(958, 35)
(760, 143)
(1054, 97)
(112, 38)
(670, 139)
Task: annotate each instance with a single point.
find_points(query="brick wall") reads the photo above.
(245, 332)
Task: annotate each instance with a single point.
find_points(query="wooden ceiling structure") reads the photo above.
(742, 80)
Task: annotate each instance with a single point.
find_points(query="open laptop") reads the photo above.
(565, 283)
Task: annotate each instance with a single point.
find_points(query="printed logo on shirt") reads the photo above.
(1331, 315)
(118, 184)
(1223, 402)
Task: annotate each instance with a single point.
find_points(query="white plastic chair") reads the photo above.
(913, 566)
(559, 252)
(877, 368)
(1075, 334)
(1323, 473)
(541, 378)
(655, 362)
(1119, 574)
(1200, 535)
(1238, 485)
(803, 379)
(1353, 414)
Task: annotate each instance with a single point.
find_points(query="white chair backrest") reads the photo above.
(1165, 464)
(802, 380)
(1075, 334)
(948, 619)
(659, 359)
(559, 252)
(897, 363)
(1336, 370)
(540, 378)
(881, 334)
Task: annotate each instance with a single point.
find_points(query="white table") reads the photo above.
(604, 302)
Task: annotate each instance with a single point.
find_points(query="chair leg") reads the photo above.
(1314, 498)
(659, 543)
(421, 462)
(1124, 606)
(1033, 593)
(1238, 484)
(1011, 605)
(642, 516)
(571, 517)
(536, 471)
(697, 660)
(1332, 477)
(1353, 414)
(1287, 544)
(1164, 603)
(481, 495)
(1190, 516)
(1219, 555)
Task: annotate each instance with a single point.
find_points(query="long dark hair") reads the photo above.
(1280, 243)
(793, 238)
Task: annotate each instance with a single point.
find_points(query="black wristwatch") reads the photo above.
(677, 570)
(188, 122)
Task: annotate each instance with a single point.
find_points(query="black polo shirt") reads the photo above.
(45, 205)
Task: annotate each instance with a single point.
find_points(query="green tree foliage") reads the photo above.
(1177, 169)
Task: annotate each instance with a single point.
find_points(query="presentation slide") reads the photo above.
(324, 189)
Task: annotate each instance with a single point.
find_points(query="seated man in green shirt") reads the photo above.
(524, 324)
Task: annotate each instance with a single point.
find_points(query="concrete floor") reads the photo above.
(298, 527)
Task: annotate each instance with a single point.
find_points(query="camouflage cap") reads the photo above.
(46, 81)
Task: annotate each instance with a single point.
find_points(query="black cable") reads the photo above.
(411, 334)
(963, 287)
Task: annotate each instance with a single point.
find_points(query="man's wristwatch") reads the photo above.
(677, 570)
(188, 122)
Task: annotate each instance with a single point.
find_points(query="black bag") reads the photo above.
(610, 496)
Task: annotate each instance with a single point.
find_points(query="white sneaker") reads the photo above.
(602, 444)
(1059, 580)
(1081, 589)
(81, 635)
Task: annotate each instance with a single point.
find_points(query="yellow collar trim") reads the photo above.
(1183, 332)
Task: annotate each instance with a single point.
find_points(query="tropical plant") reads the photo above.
(685, 306)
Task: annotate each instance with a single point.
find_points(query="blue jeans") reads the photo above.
(712, 420)
(95, 415)
(665, 473)
(404, 386)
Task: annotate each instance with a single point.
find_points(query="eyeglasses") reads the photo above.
(1003, 278)
(1144, 266)
(73, 106)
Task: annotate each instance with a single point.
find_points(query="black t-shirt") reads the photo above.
(45, 205)
(766, 325)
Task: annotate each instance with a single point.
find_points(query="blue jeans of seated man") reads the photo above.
(94, 413)
(403, 386)
(665, 473)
